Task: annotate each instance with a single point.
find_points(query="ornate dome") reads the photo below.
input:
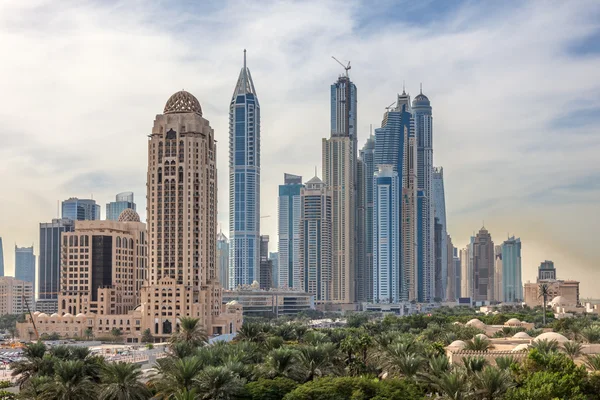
(129, 215)
(183, 102)
(421, 100)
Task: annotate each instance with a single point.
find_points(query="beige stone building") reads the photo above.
(14, 293)
(567, 290)
(132, 289)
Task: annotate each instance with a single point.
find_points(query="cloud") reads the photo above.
(514, 87)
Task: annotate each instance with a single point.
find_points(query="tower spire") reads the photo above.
(421, 84)
(403, 88)
(244, 59)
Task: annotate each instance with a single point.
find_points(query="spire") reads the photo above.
(403, 88)
(315, 170)
(244, 84)
(421, 86)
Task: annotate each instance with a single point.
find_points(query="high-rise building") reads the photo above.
(360, 276)
(498, 290)
(409, 228)
(512, 285)
(223, 259)
(386, 232)
(1, 258)
(452, 291)
(274, 257)
(122, 202)
(315, 239)
(289, 232)
(365, 223)
(103, 266)
(266, 267)
(15, 296)
(340, 175)
(483, 266)
(439, 206)
(25, 264)
(244, 182)
(458, 271)
(466, 270)
(439, 284)
(423, 120)
(546, 271)
(80, 209)
(49, 263)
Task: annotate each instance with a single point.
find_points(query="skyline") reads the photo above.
(492, 167)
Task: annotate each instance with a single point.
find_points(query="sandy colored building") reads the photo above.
(567, 290)
(13, 295)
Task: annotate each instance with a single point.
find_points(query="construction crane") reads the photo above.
(346, 67)
(37, 335)
(390, 106)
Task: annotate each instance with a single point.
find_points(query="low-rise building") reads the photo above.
(568, 290)
(274, 302)
(14, 293)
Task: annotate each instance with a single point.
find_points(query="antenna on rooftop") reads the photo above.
(346, 67)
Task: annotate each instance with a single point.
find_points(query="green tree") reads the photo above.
(147, 336)
(505, 362)
(116, 334)
(479, 343)
(175, 375)
(35, 388)
(190, 332)
(316, 361)
(70, 382)
(218, 383)
(89, 333)
(593, 361)
(474, 364)
(453, 385)
(121, 381)
(492, 383)
(544, 293)
(546, 346)
(282, 362)
(270, 389)
(34, 363)
(591, 334)
(251, 332)
(572, 349)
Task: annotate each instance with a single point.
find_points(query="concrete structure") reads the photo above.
(223, 259)
(266, 268)
(315, 240)
(567, 290)
(14, 294)
(1, 258)
(452, 283)
(365, 222)
(271, 303)
(122, 202)
(512, 286)
(546, 271)
(439, 207)
(386, 236)
(274, 257)
(288, 228)
(466, 269)
(49, 263)
(498, 290)
(483, 266)
(457, 269)
(25, 264)
(80, 209)
(244, 182)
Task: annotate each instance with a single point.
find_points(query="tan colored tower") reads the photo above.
(182, 221)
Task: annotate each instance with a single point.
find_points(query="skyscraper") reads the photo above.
(466, 270)
(49, 264)
(266, 267)
(25, 264)
(439, 284)
(315, 239)
(288, 227)
(512, 285)
(439, 206)
(223, 259)
(458, 271)
(1, 258)
(483, 266)
(182, 222)
(274, 257)
(244, 182)
(122, 202)
(546, 271)
(340, 175)
(386, 232)
(498, 290)
(452, 290)
(423, 120)
(365, 230)
(80, 209)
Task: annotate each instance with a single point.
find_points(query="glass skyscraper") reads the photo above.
(365, 227)
(244, 182)
(288, 228)
(122, 202)
(439, 205)
(25, 264)
(223, 259)
(512, 285)
(80, 209)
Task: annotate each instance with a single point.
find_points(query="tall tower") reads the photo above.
(122, 202)
(1, 259)
(498, 270)
(425, 219)
(223, 259)
(340, 175)
(80, 209)
(244, 182)
(439, 205)
(512, 285)
(365, 231)
(483, 266)
(288, 226)
(25, 264)
(182, 221)
(386, 232)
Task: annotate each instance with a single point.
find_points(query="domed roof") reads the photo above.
(513, 321)
(43, 315)
(36, 313)
(183, 102)
(458, 343)
(481, 336)
(559, 301)
(67, 315)
(521, 335)
(476, 323)
(551, 336)
(55, 315)
(521, 347)
(129, 215)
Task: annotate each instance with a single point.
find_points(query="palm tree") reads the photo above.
(593, 362)
(491, 383)
(474, 364)
(89, 333)
(218, 383)
(315, 338)
(280, 362)
(591, 334)
(479, 343)
(120, 381)
(70, 382)
(116, 334)
(35, 388)
(316, 361)
(33, 364)
(405, 364)
(544, 293)
(453, 385)
(572, 349)
(251, 332)
(546, 346)
(185, 395)
(504, 362)
(174, 375)
(190, 332)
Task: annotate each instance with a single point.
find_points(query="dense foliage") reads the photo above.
(392, 357)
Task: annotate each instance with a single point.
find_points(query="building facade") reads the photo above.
(49, 263)
(223, 259)
(568, 290)
(80, 209)
(365, 230)
(546, 271)
(288, 228)
(122, 202)
(16, 296)
(483, 266)
(270, 303)
(512, 284)
(452, 294)
(316, 240)
(439, 207)
(274, 257)
(386, 232)
(266, 267)
(244, 182)
(25, 264)
(498, 290)
(1, 258)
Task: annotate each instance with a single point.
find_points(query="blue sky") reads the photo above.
(515, 90)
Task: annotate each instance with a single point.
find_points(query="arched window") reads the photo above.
(180, 174)
(118, 241)
(160, 175)
(70, 240)
(74, 240)
(131, 244)
(82, 240)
